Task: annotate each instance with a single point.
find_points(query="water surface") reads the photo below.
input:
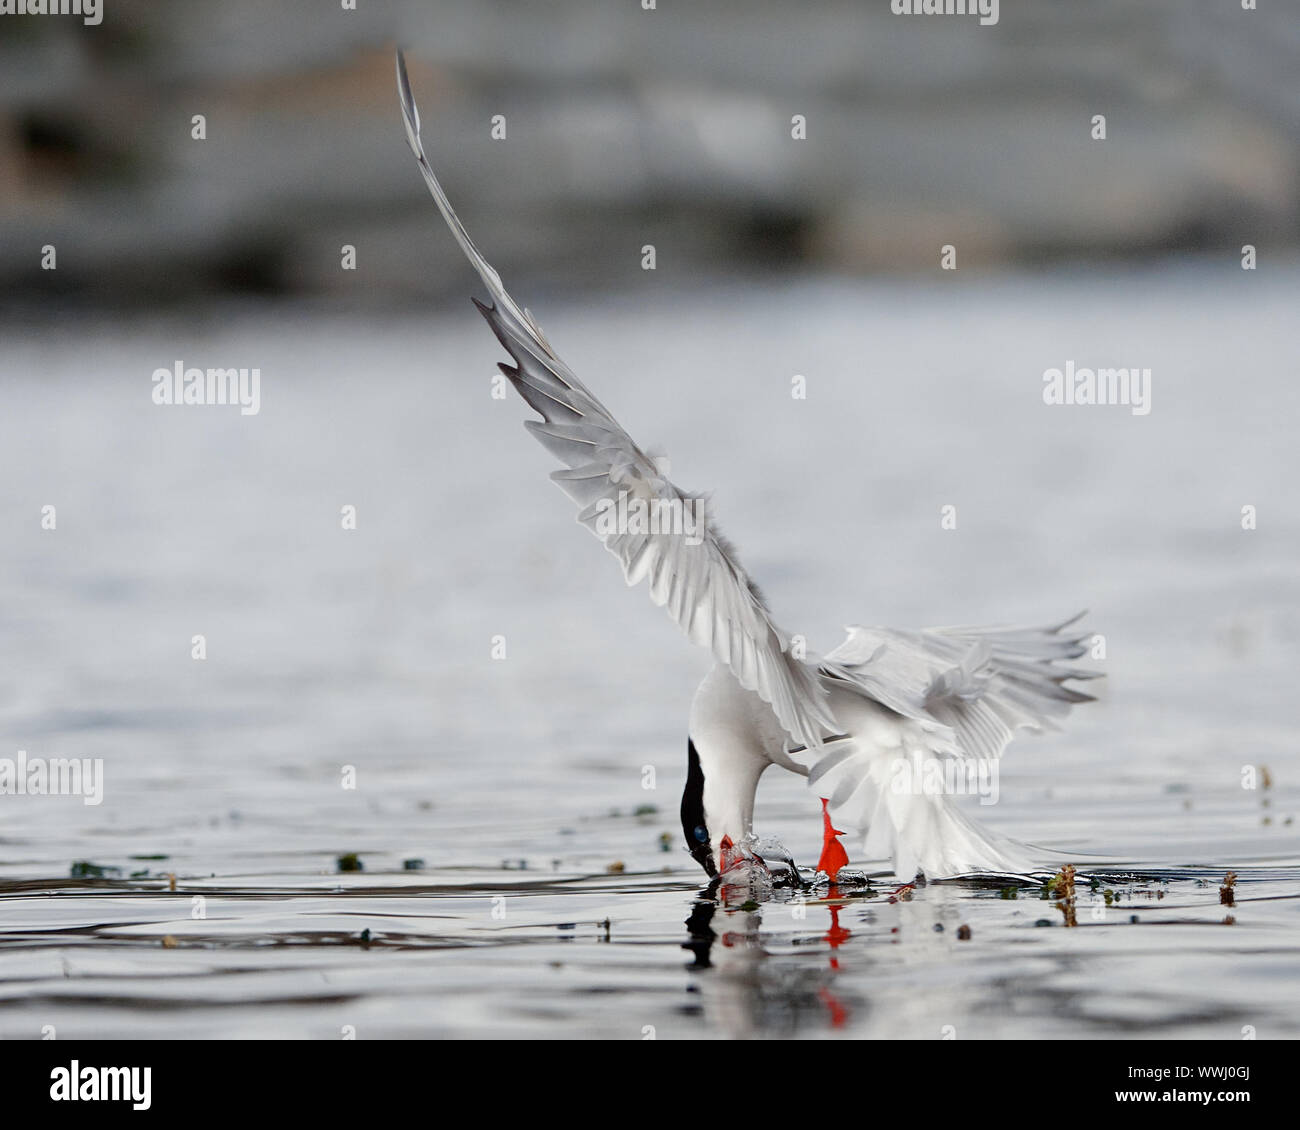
(516, 880)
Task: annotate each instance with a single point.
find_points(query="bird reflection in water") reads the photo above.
(750, 991)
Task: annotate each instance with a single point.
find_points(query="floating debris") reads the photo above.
(1227, 895)
(1063, 884)
(350, 862)
(1009, 893)
(168, 942)
(963, 933)
(646, 810)
(84, 869)
(413, 865)
(1067, 881)
(665, 842)
(171, 880)
(617, 867)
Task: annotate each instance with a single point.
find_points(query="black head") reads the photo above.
(693, 826)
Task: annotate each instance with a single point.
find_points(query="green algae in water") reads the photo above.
(84, 869)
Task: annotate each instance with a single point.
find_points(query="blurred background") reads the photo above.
(626, 127)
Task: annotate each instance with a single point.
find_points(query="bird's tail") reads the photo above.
(935, 837)
(909, 811)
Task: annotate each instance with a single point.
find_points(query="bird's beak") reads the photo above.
(728, 856)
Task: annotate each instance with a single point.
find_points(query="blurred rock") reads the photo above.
(627, 127)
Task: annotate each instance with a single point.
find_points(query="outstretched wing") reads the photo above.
(692, 571)
(982, 683)
(957, 697)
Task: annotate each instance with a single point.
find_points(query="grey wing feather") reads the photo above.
(702, 585)
(982, 683)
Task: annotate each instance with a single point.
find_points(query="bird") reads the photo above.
(871, 725)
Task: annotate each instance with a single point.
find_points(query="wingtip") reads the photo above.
(403, 82)
(1067, 623)
(410, 112)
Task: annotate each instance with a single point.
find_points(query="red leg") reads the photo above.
(833, 855)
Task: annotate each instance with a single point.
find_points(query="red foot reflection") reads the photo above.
(835, 937)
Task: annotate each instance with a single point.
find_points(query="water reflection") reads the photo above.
(748, 990)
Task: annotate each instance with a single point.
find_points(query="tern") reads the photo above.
(873, 724)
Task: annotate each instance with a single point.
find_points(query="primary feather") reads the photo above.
(702, 586)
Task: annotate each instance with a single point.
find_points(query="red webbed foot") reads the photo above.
(833, 855)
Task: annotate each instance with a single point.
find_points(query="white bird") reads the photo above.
(865, 724)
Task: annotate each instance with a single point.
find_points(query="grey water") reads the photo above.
(462, 692)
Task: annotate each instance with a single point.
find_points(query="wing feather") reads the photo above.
(984, 684)
(698, 580)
